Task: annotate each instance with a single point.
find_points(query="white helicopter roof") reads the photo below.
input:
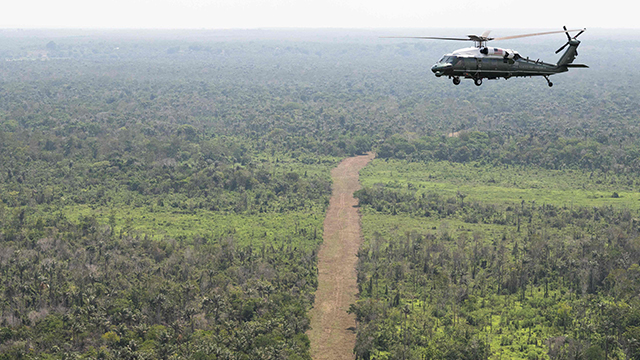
(490, 52)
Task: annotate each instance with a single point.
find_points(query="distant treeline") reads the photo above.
(544, 150)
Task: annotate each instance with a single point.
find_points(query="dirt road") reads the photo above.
(332, 329)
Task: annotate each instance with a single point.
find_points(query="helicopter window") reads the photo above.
(448, 59)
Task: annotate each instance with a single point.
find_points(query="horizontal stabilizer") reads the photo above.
(576, 65)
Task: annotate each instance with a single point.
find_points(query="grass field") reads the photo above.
(506, 184)
(267, 228)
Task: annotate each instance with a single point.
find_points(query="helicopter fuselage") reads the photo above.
(493, 63)
(483, 62)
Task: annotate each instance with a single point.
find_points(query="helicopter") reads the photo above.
(482, 62)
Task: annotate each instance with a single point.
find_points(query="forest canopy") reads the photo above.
(162, 196)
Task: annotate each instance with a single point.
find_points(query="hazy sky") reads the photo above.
(224, 14)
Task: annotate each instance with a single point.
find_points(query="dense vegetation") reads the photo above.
(129, 228)
(539, 149)
(462, 274)
(156, 247)
(162, 196)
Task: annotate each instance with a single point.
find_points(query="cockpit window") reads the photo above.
(448, 59)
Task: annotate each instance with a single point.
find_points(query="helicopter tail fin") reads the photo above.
(571, 53)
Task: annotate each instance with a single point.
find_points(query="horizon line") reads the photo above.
(267, 28)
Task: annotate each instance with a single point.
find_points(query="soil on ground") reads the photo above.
(332, 331)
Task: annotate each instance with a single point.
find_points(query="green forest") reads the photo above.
(162, 196)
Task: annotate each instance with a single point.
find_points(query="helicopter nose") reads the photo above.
(441, 68)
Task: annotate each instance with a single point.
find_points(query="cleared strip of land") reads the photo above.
(332, 329)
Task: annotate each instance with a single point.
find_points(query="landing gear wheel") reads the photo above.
(550, 84)
(456, 81)
(477, 81)
(548, 81)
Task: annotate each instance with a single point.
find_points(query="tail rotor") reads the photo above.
(569, 39)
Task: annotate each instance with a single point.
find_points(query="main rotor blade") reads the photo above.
(425, 37)
(535, 34)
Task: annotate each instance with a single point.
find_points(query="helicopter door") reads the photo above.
(470, 64)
